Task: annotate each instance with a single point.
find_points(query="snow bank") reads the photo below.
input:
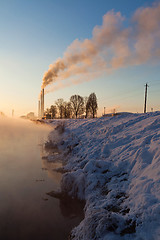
(114, 164)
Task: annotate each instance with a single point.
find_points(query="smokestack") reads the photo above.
(42, 103)
(39, 109)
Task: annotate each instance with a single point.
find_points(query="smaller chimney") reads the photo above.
(43, 100)
(39, 109)
(41, 104)
(12, 112)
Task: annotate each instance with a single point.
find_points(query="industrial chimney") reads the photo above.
(39, 109)
(42, 103)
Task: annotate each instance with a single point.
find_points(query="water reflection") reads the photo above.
(71, 208)
(24, 211)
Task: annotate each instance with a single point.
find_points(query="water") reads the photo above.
(26, 212)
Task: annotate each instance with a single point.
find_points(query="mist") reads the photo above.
(12, 128)
(26, 211)
(112, 46)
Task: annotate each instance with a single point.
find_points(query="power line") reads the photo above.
(133, 94)
(124, 96)
(128, 92)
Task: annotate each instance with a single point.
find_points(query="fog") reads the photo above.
(14, 127)
(26, 212)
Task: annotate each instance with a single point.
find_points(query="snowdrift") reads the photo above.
(114, 165)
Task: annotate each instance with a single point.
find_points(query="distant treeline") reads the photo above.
(77, 107)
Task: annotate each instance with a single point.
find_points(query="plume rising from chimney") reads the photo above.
(112, 46)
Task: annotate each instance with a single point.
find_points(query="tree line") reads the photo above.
(76, 107)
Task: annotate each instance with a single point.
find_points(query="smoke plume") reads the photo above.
(112, 46)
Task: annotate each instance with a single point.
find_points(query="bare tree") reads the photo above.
(53, 111)
(60, 105)
(92, 105)
(77, 104)
(86, 110)
(67, 110)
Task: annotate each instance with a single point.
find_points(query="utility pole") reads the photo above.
(104, 110)
(145, 99)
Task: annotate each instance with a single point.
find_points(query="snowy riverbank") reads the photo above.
(114, 165)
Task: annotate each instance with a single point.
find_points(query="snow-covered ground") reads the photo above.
(114, 165)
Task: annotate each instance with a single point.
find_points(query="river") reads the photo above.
(26, 211)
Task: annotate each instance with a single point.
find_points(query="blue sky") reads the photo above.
(33, 34)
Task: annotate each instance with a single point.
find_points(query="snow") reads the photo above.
(113, 163)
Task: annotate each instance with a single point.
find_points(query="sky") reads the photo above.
(34, 34)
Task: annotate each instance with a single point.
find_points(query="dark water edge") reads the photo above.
(26, 211)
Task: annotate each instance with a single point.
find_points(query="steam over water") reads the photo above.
(26, 212)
